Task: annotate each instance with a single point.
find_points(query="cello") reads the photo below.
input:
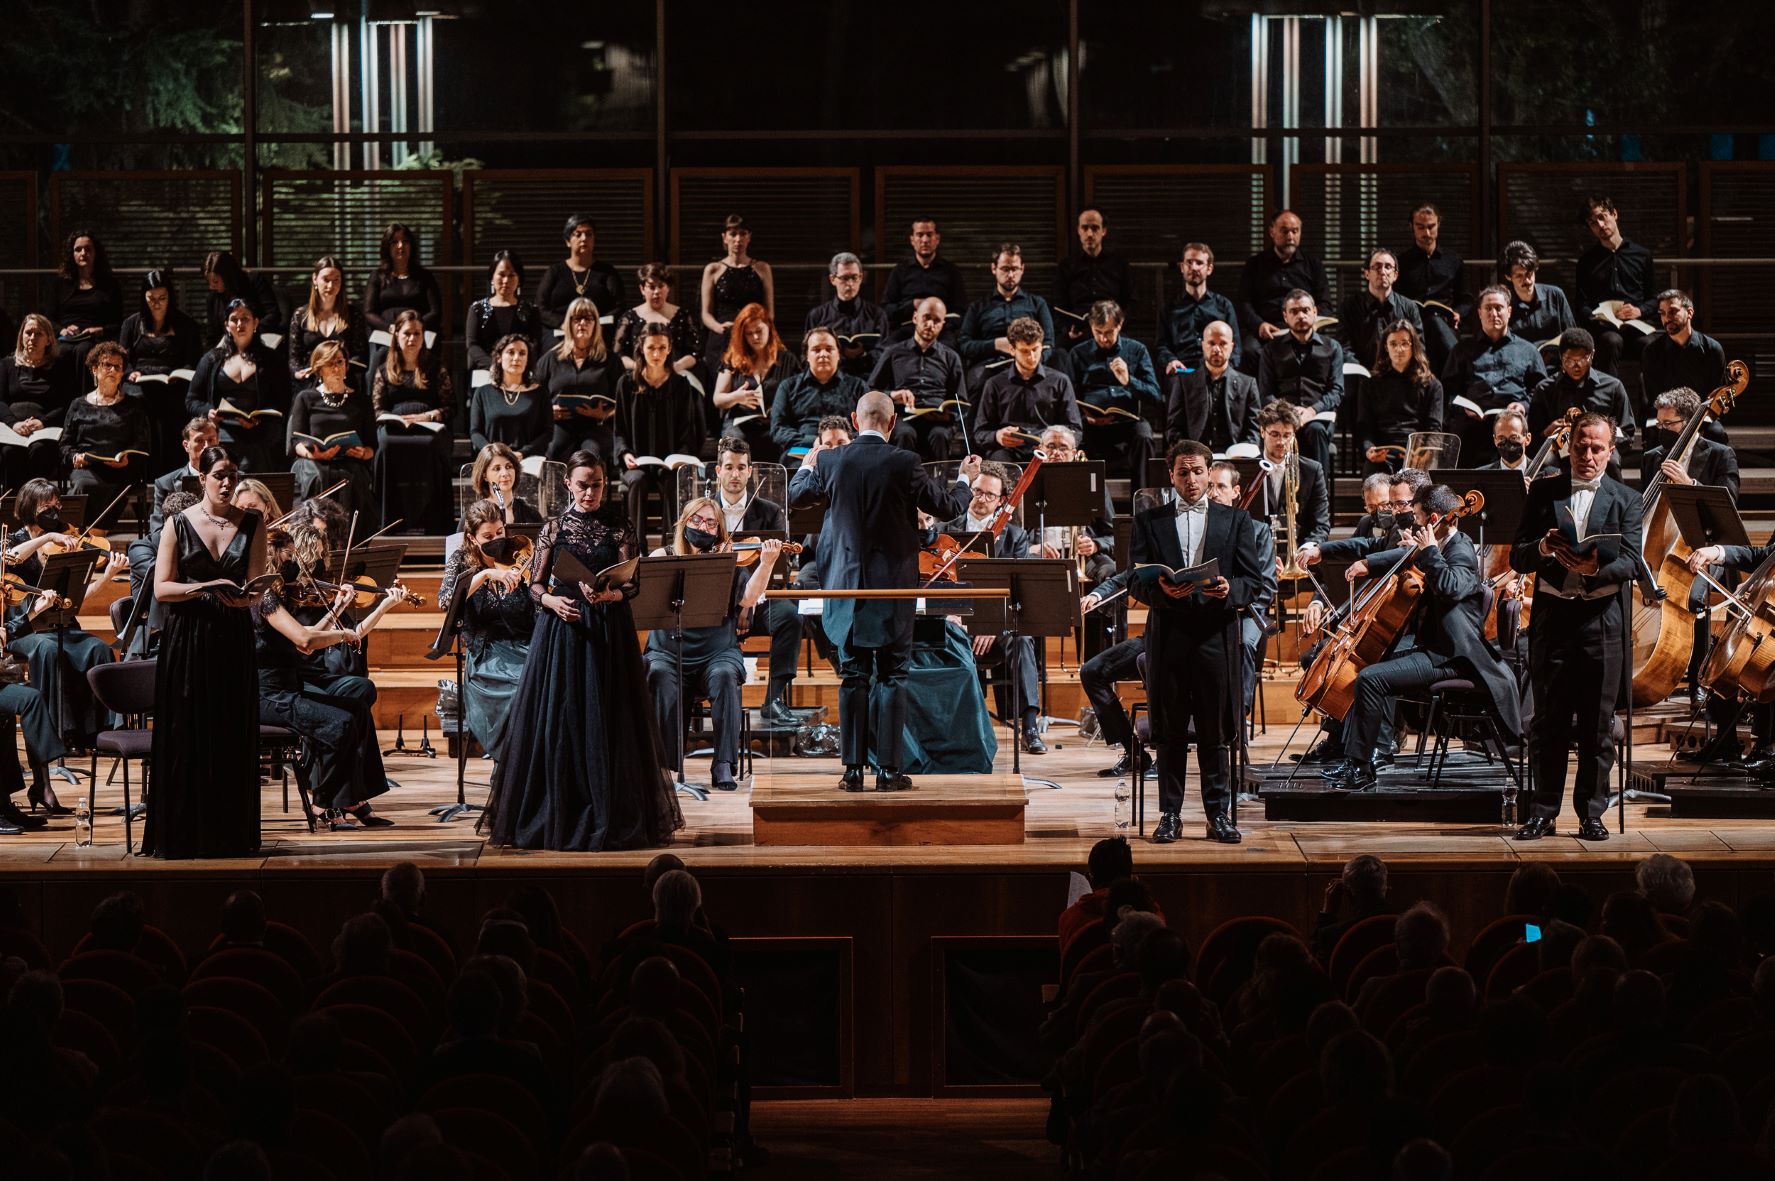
(1664, 632)
(1377, 615)
(1741, 664)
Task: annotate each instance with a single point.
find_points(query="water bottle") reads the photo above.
(82, 824)
(1124, 808)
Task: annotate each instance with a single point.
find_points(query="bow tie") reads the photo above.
(1200, 507)
(1585, 485)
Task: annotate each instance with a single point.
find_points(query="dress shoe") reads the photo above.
(1384, 758)
(1032, 742)
(369, 819)
(11, 815)
(1536, 828)
(721, 777)
(887, 780)
(851, 780)
(1327, 749)
(1221, 830)
(1721, 748)
(1759, 763)
(776, 713)
(1168, 829)
(1592, 830)
(1124, 768)
(1358, 776)
(1334, 770)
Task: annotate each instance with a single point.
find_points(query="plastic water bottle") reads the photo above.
(1124, 808)
(82, 824)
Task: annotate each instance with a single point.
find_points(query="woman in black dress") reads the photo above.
(729, 284)
(657, 414)
(331, 407)
(579, 763)
(494, 477)
(105, 436)
(580, 367)
(412, 398)
(1402, 398)
(228, 281)
(206, 695)
(85, 300)
(580, 276)
(36, 386)
(497, 618)
(511, 409)
(163, 344)
(237, 380)
(752, 368)
(401, 284)
(503, 312)
(656, 307)
(328, 315)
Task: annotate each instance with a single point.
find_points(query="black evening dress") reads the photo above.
(322, 415)
(579, 762)
(204, 798)
(732, 290)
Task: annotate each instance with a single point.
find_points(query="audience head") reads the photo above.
(1364, 879)
(1284, 232)
(403, 884)
(1705, 1113)
(602, 1161)
(1127, 932)
(1494, 311)
(1110, 859)
(834, 431)
(37, 996)
(1640, 1001)
(315, 1044)
(1421, 935)
(1451, 996)
(1531, 889)
(404, 1137)
(509, 938)
(540, 914)
(238, 1160)
(649, 1038)
(364, 946)
(1716, 937)
(1422, 1160)
(475, 1005)
(118, 922)
(1327, 1021)
(1598, 953)
(1633, 922)
(1163, 955)
(663, 864)
(243, 918)
(514, 987)
(676, 900)
(1355, 1070)
(1666, 882)
(1162, 1055)
(1426, 227)
(1007, 267)
(629, 1090)
(654, 985)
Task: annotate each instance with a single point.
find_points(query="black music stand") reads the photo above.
(1705, 515)
(1043, 603)
(68, 575)
(1505, 495)
(1066, 495)
(680, 591)
(449, 639)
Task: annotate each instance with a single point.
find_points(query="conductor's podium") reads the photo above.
(797, 802)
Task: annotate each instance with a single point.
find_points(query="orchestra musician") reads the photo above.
(1312, 500)
(1094, 544)
(1447, 629)
(1724, 712)
(713, 666)
(1510, 437)
(872, 492)
(1580, 618)
(24, 708)
(744, 511)
(498, 616)
(1225, 487)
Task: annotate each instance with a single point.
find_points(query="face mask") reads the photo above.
(49, 520)
(1659, 437)
(499, 549)
(1383, 520)
(1510, 450)
(699, 539)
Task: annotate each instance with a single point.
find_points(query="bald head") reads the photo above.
(875, 412)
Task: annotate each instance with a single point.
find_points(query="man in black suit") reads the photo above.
(924, 276)
(1306, 370)
(1448, 626)
(994, 649)
(1215, 404)
(1270, 277)
(1312, 501)
(199, 434)
(1580, 615)
(748, 512)
(1192, 636)
(872, 491)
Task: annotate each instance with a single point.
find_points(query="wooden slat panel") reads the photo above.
(1543, 205)
(151, 219)
(797, 216)
(1151, 210)
(1737, 221)
(524, 210)
(1349, 209)
(977, 208)
(18, 239)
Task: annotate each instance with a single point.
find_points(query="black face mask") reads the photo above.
(1659, 437)
(1510, 450)
(499, 549)
(49, 520)
(1383, 520)
(699, 539)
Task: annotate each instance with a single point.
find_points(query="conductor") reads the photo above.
(872, 492)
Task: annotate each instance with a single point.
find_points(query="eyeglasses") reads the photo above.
(982, 494)
(704, 521)
(108, 365)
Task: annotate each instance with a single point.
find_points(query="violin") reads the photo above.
(365, 593)
(82, 541)
(747, 549)
(15, 590)
(514, 555)
(936, 561)
(944, 569)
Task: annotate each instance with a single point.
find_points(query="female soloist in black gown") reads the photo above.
(205, 791)
(579, 763)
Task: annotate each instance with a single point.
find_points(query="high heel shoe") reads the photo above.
(41, 796)
(367, 818)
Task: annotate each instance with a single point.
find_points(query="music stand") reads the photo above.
(379, 560)
(1066, 495)
(449, 639)
(1705, 515)
(1505, 495)
(68, 575)
(1043, 603)
(679, 591)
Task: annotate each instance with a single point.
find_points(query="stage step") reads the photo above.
(800, 804)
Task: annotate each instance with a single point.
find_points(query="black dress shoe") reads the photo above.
(1721, 748)
(1759, 763)
(1383, 758)
(1168, 829)
(1334, 770)
(893, 781)
(1327, 749)
(1358, 776)
(721, 777)
(1221, 830)
(776, 713)
(1536, 828)
(10, 814)
(1032, 742)
(851, 780)
(1592, 830)
(1124, 768)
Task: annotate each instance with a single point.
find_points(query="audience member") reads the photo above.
(1666, 882)
(1356, 893)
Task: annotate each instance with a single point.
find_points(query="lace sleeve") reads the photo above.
(629, 543)
(539, 561)
(447, 588)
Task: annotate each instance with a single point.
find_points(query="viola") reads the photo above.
(365, 592)
(936, 561)
(16, 590)
(747, 549)
(1001, 516)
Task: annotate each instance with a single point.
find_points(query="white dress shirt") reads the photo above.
(1192, 529)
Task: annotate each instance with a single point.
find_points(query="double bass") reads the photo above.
(1664, 632)
(1376, 616)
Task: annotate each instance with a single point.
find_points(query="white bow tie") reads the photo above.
(1585, 485)
(1201, 507)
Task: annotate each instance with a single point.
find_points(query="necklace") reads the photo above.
(218, 522)
(510, 394)
(580, 285)
(326, 397)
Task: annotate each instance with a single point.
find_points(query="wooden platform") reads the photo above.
(799, 805)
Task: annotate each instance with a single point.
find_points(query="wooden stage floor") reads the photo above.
(1060, 826)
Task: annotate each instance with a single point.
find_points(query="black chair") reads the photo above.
(280, 748)
(1458, 704)
(126, 689)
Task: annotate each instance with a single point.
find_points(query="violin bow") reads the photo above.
(321, 495)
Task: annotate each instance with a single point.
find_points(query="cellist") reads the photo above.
(1725, 712)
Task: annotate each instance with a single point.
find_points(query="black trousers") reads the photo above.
(872, 703)
(1098, 677)
(1574, 655)
(1439, 339)
(1315, 444)
(719, 679)
(779, 619)
(638, 482)
(1017, 658)
(1172, 760)
(23, 708)
(932, 437)
(1378, 687)
(1611, 345)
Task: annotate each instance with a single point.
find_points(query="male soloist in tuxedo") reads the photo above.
(1193, 636)
(872, 492)
(1574, 644)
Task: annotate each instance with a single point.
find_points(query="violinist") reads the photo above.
(1447, 629)
(1000, 650)
(713, 666)
(81, 717)
(744, 510)
(198, 436)
(24, 708)
(1575, 640)
(494, 476)
(497, 617)
(338, 670)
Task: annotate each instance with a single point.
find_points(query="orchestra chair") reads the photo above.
(125, 688)
(1457, 703)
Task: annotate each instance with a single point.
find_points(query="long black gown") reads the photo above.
(204, 799)
(579, 761)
